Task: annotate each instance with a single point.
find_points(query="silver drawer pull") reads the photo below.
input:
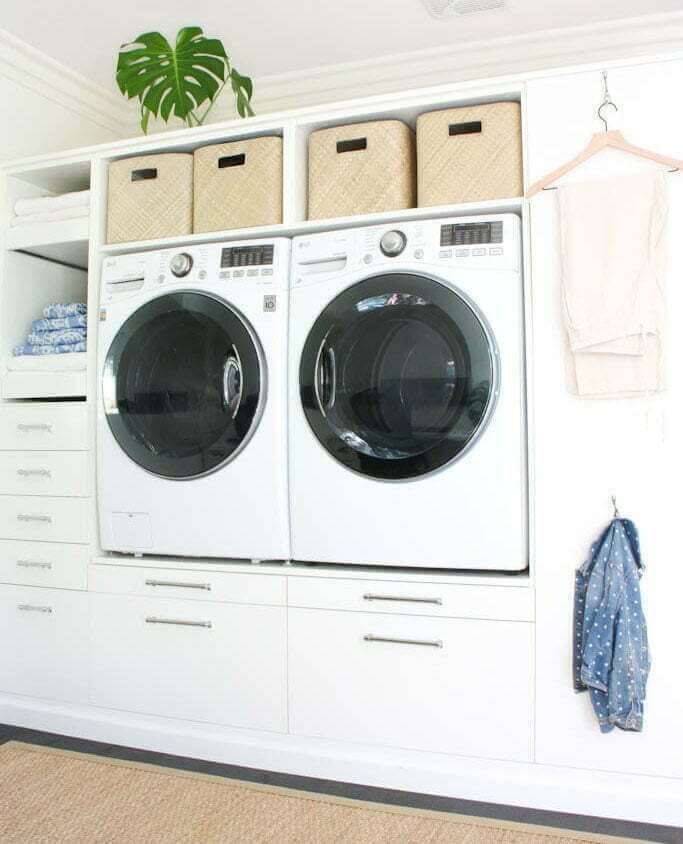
(179, 621)
(408, 600)
(41, 473)
(38, 426)
(427, 643)
(179, 584)
(33, 564)
(33, 608)
(34, 517)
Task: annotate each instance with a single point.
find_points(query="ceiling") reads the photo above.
(278, 36)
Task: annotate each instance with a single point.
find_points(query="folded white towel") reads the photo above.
(47, 204)
(613, 252)
(51, 216)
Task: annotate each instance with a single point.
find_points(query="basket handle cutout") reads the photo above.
(142, 175)
(232, 161)
(472, 128)
(353, 145)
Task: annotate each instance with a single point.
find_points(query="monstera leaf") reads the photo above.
(176, 81)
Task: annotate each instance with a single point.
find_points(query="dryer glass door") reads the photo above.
(182, 385)
(398, 376)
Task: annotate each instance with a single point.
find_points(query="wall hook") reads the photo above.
(614, 506)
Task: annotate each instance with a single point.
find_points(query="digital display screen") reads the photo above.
(247, 256)
(471, 234)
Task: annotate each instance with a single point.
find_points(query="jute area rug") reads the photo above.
(49, 795)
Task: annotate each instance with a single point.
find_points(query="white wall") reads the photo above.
(587, 450)
(46, 107)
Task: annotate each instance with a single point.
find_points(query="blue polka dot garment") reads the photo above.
(611, 654)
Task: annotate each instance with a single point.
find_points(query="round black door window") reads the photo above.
(182, 385)
(398, 376)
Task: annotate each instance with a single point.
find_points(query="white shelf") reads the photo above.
(494, 206)
(64, 240)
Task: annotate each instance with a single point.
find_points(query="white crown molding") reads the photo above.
(32, 69)
(550, 50)
(631, 38)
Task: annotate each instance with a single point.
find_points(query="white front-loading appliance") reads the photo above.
(191, 422)
(407, 396)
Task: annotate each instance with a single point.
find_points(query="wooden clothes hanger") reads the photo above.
(599, 142)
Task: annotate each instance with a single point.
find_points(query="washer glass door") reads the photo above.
(182, 385)
(398, 376)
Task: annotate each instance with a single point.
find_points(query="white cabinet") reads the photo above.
(51, 564)
(443, 685)
(44, 636)
(44, 426)
(44, 473)
(202, 661)
(43, 518)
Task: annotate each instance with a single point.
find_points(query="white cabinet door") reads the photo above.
(50, 564)
(443, 685)
(221, 663)
(44, 636)
(46, 519)
(43, 425)
(44, 473)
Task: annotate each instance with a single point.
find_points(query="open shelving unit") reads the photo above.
(42, 263)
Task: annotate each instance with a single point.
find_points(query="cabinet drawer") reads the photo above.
(193, 585)
(220, 663)
(513, 603)
(44, 473)
(44, 426)
(442, 685)
(45, 636)
(56, 565)
(45, 519)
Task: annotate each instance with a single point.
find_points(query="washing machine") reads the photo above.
(191, 422)
(407, 396)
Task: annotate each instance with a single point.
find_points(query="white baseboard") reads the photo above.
(603, 794)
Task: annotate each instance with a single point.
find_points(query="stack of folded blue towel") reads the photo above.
(63, 329)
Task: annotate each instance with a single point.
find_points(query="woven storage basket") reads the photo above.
(150, 197)
(469, 154)
(238, 185)
(361, 169)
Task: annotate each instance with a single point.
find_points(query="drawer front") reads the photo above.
(44, 473)
(44, 519)
(47, 632)
(443, 685)
(220, 663)
(50, 564)
(192, 585)
(43, 426)
(514, 603)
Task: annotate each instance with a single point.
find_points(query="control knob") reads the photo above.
(392, 243)
(181, 264)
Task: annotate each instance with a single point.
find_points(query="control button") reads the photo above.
(419, 253)
(202, 274)
(161, 279)
(367, 259)
(181, 264)
(252, 272)
(446, 253)
(392, 243)
(496, 250)
(478, 252)
(238, 274)
(268, 271)
(223, 275)
(462, 253)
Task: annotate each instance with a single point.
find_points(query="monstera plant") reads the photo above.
(182, 81)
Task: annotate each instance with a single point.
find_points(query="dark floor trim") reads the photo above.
(581, 823)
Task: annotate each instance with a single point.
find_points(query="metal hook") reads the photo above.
(606, 100)
(614, 505)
